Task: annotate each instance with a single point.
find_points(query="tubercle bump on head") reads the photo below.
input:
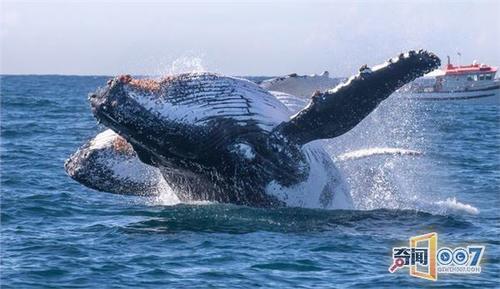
(126, 78)
(121, 145)
(144, 84)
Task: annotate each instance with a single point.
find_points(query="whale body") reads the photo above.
(225, 139)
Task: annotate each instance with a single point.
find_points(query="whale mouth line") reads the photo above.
(113, 124)
(109, 122)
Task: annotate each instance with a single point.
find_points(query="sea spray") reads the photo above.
(187, 64)
(183, 64)
(384, 161)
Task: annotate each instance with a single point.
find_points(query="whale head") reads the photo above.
(203, 129)
(193, 116)
(142, 114)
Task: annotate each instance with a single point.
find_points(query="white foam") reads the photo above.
(451, 205)
(165, 195)
(368, 152)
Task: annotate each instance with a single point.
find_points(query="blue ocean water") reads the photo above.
(57, 233)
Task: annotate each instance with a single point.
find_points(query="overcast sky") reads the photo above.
(243, 38)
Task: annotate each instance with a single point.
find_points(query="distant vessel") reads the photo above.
(475, 83)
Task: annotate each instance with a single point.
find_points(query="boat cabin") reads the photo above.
(459, 78)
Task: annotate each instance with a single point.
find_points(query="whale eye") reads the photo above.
(243, 150)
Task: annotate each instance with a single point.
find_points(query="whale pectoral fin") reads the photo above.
(336, 111)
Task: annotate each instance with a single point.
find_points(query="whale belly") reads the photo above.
(324, 188)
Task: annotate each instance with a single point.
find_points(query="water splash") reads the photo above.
(383, 160)
(187, 64)
(451, 205)
(165, 197)
(184, 63)
(363, 153)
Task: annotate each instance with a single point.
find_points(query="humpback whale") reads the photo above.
(300, 85)
(225, 139)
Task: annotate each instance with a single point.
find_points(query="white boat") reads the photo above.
(472, 83)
